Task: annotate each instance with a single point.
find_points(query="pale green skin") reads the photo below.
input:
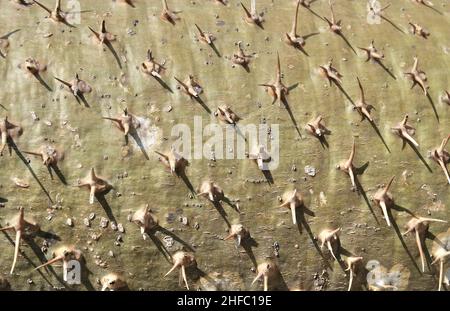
(222, 84)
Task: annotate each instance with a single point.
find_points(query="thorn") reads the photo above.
(353, 264)
(95, 184)
(103, 36)
(267, 270)
(182, 260)
(335, 26)
(331, 238)
(239, 233)
(384, 200)
(151, 67)
(190, 86)
(63, 253)
(239, 57)
(292, 200)
(331, 73)
(8, 130)
(174, 161)
(442, 157)
(316, 128)
(144, 219)
(205, 37)
(405, 131)
(21, 227)
(55, 14)
(277, 89)
(420, 31)
(212, 191)
(252, 16)
(418, 77)
(168, 15)
(125, 122)
(372, 53)
(33, 66)
(113, 282)
(50, 155)
(226, 115)
(77, 86)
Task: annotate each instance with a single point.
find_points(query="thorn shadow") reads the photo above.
(246, 67)
(386, 69)
(268, 176)
(222, 212)
(361, 191)
(58, 173)
(301, 221)
(83, 100)
(42, 82)
(375, 127)
(392, 23)
(105, 205)
(300, 217)
(202, 103)
(339, 86)
(138, 141)
(160, 246)
(291, 115)
(114, 53)
(400, 237)
(402, 209)
(247, 245)
(85, 275)
(175, 237)
(420, 156)
(163, 84)
(315, 14)
(432, 8)
(433, 106)
(13, 145)
(239, 132)
(187, 182)
(10, 33)
(214, 48)
(231, 204)
(340, 34)
(323, 141)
